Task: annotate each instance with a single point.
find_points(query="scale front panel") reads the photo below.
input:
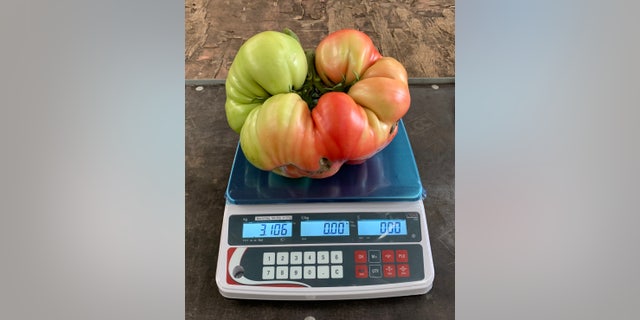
(331, 251)
(326, 266)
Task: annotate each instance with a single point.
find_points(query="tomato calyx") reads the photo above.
(313, 87)
(290, 33)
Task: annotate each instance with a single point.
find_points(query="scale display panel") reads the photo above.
(359, 234)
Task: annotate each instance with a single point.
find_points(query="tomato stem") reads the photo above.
(313, 87)
(290, 33)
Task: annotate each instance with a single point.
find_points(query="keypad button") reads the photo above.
(387, 256)
(362, 271)
(374, 256)
(268, 258)
(309, 257)
(324, 264)
(295, 273)
(323, 257)
(402, 256)
(360, 256)
(282, 272)
(282, 258)
(403, 270)
(336, 272)
(375, 271)
(323, 272)
(389, 270)
(336, 256)
(296, 257)
(309, 272)
(268, 273)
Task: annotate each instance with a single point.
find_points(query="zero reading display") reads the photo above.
(379, 227)
(317, 228)
(266, 229)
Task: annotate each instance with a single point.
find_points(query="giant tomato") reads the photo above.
(306, 116)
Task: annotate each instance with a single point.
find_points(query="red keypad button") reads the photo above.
(388, 263)
(387, 256)
(360, 256)
(402, 256)
(403, 270)
(362, 271)
(389, 270)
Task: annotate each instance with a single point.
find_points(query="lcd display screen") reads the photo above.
(266, 229)
(379, 227)
(317, 228)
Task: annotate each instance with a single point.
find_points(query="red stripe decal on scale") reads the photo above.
(229, 278)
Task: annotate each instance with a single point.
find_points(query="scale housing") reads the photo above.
(359, 234)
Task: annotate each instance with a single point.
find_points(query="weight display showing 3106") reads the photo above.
(266, 230)
(325, 228)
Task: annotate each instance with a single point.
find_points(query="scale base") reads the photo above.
(359, 234)
(243, 271)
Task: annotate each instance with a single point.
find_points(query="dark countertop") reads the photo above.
(210, 146)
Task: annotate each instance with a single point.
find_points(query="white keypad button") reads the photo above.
(336, 272)
(336, 256)
(309, 272)
(282, 272)
(309, 257)
(323, 272)
(296, 257)
(268, 273)
(269, 258)
(295, 273)
(297, 265)
(282, 258)
(323, 257)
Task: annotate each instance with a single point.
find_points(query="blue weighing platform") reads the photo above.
(390, 175)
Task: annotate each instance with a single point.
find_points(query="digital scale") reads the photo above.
(359, 234)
